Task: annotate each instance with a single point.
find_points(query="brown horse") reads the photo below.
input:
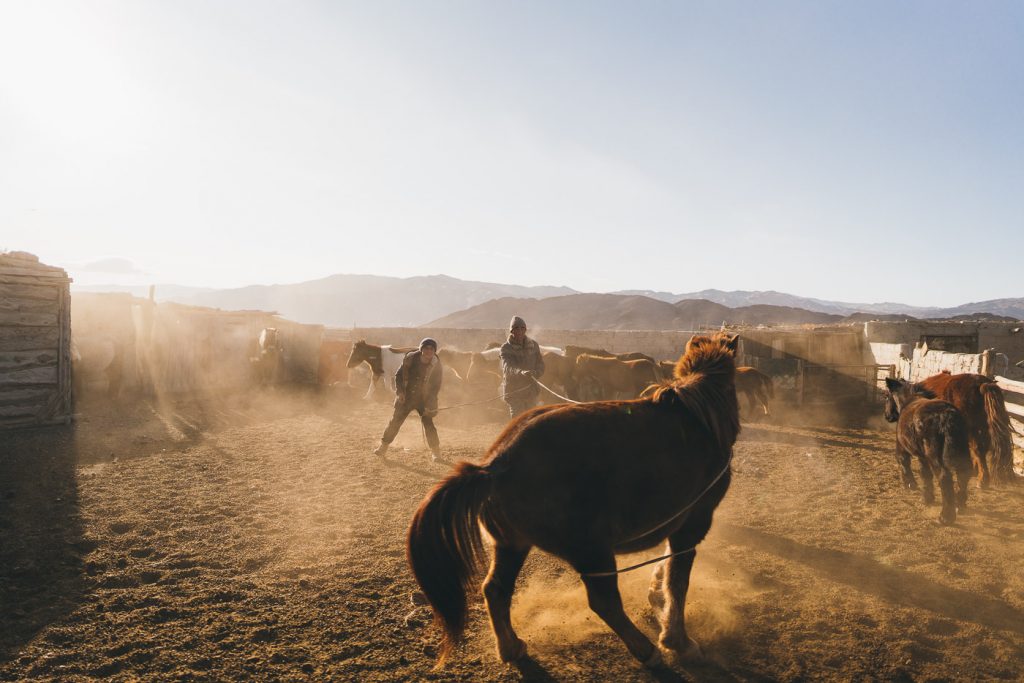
(615, 376)
(988, 426)
(936, 433)
(756, 385)
(587, 482)
(457, 360)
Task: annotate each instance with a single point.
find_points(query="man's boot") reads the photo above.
(381, 450)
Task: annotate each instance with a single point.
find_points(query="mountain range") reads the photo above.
(373, 300)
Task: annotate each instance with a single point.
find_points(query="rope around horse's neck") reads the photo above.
(666, 522)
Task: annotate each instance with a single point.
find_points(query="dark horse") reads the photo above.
(586, 482)
(988, 426)
(935, 432)
(757, 386)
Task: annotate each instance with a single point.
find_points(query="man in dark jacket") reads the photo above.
(521, 363)
(418, 382)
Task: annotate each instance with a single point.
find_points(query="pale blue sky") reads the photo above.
(859, 151)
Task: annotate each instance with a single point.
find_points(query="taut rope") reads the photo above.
(667, 521)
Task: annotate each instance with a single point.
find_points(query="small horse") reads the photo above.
(756, 385)
(585, 483)
(988, 425)
(936, 433)
(384, 362)
(459, 361)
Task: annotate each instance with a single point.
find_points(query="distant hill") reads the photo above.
(622, 312)
(1012, 308)
(366, 300)
(372, 300)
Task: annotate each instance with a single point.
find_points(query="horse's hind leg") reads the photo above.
(603, 597)
(948, 513)
(964, 470)
(497, 589)
(980, 463)
(763, 398)
(927, 483)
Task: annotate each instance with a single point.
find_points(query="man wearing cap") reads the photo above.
(521, 363)
(417, 381)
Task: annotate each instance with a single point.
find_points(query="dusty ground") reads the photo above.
(258, 538)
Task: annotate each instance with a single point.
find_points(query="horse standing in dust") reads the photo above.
(586, 482)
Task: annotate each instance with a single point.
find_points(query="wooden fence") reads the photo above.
(1014, 392)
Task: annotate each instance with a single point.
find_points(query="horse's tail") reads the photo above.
(999, 431)
(768, 384)
(444, 548)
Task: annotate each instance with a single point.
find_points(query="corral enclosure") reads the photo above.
(196, 526)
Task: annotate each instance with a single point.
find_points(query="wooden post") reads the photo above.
(799, 381)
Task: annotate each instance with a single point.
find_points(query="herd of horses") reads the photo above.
(576, 372)
(641, 457)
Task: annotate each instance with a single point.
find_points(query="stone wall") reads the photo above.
(1005, 338)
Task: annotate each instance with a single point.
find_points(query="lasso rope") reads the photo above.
(667, 521)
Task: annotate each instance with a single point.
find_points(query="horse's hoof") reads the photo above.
(655, 661)
(514, 653)
(947, 519)
(684, 647)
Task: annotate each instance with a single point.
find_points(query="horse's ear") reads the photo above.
(733, 343)
(892, 384)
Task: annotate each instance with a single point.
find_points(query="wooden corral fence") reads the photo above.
(35, 342)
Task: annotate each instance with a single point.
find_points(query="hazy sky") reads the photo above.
(860, 151)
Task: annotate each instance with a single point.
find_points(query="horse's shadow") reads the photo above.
(761, 435)
(532, 671)
(894, 585)
(397, 464)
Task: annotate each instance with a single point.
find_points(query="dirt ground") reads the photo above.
(258, 538)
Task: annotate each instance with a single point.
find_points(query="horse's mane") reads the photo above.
(919, 390)
(704, 385)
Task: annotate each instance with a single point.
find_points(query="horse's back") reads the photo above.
(599, 458)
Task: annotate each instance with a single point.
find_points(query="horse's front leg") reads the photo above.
(677, 583)
(903, 461)
(656, 591)
(372, 388)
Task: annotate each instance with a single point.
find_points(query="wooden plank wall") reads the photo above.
(35, 356)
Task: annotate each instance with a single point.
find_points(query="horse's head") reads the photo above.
(899, 394)
(711, 354)
(358, 354)
(892, 387)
